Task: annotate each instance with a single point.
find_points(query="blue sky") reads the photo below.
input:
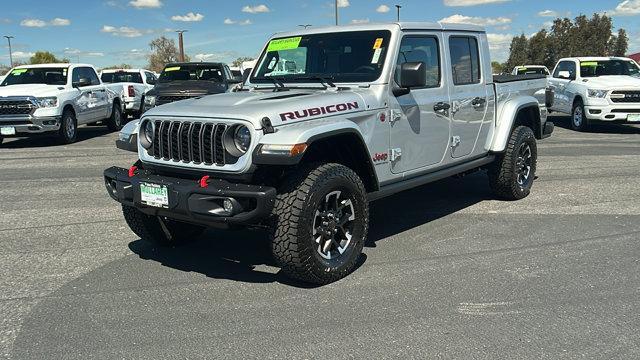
(107, 32)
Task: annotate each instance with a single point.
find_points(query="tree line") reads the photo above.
(582, 36)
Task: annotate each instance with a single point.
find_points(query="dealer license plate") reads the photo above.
(154, 195)
(633, 117)
(7, 130)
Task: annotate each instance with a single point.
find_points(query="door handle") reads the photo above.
(441, 106)
(478, 102)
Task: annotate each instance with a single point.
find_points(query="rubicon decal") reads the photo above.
(315, 111)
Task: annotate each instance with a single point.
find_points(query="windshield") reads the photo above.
(528, 70)
(121, 76)
(192, 72)
(356, 56)
(608, 67)
(48, 76)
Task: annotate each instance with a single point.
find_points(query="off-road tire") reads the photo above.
(293, 245)
(503, 173)
(68, 132)
(583, 123)
(149, 228)
(116, 120)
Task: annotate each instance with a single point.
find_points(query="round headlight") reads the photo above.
(242, 138)
(147, 134)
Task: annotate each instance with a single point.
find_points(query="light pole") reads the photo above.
(336, 12)
(398, 7)
(181, 43)
(10, 54)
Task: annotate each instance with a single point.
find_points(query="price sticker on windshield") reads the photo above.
(376, 56)
(173, 68)
(589, 63)
(19, 71)
(284, 44)
(378, 43)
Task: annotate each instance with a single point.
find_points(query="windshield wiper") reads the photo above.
(323, 79)
(277, 81)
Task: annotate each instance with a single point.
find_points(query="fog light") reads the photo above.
(228, 206)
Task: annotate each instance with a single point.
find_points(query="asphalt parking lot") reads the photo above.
(448, 273)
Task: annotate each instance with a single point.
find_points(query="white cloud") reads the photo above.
(123, 31)
(548, 13)
(343, 3)
(76, 52)
(471, 2)
(60, 22)
(462, 19)
(626, 8)
(142, 4)
(22, 54)
(360, 21)
(383, 9)
(256, 9)
(189, 17)
(547, 24)
(229, 21)
(499, 46)
(33, 23)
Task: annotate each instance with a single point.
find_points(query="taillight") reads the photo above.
(132, 92)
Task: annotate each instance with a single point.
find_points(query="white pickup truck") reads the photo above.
(597, 89)
(56, 99)
(135, 83)
(531, 69)
(372, 110)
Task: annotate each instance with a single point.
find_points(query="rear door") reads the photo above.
(468, 92)
(419, 133)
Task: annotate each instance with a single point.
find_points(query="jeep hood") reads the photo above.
(612, 82)
(37, 90)
(283, 107)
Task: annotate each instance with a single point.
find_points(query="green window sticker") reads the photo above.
(524, 68)
(19, 71)
(284, 44)
(589, 63)
(173, 68)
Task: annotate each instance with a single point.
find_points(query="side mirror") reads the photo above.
(245, 74)
(82, 82)
(565, 75)
(412, 75)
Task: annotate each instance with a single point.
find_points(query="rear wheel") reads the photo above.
(68, 131)
(114, 123)
(579, 121)
(159, 230)
(322, 219)
(511, 175)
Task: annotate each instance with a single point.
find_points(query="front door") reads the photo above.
(562, 100)
(468, 93)
(420, 133)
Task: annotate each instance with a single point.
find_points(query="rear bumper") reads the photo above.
(617, 113)
(30, 124)
(191, 203)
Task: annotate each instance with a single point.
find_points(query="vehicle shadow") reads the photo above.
(596, 128)
(237, 255)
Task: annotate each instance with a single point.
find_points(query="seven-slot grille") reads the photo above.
(169, 99)
(189, 142)
(625, 96)
(16, 107)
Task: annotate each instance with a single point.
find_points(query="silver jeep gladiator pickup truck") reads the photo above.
(360, 112)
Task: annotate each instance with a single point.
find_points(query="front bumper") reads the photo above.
(29, 124)
(618, 112)
(191, 203)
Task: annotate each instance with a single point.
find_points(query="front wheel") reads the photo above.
(511, 175)
(322, 219)
(114, 123)
(159, 230)
(68, 128)
(579, 120)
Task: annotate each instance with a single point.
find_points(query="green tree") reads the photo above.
(538, 50)
(45, 57)
(518, 54)
(498, 68)
(621, 44)
(237, 62)
(121, 66)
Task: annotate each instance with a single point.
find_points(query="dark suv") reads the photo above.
(179, 81)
